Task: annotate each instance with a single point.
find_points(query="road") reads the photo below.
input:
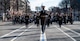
(33, 33)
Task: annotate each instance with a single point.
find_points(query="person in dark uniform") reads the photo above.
(48, 20)
(34, 17)
(51, 17)
(37, 19)
(64, 18)
(60, 20)
(26, 20)
(43, 18)
(21, 19)
(14, 19)
(56, 19)
(70, 19)
(17, 18)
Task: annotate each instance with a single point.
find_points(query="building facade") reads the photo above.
(21, 6)
(10, 7)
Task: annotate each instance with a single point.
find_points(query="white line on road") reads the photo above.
(11, 32)
(66, 34)
(20, 34)
(71, 30)
(43, 37)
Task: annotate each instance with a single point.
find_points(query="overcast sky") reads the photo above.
(47, 3)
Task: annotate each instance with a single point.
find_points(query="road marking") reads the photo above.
(66, 34)
(43, 37)
(71, 30)
(20, 34)
(11, 32)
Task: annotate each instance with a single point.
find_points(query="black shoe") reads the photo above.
(60, 26)
(42, 32)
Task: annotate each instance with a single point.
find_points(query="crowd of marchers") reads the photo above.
(59, 18)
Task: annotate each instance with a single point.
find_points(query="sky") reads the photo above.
(46, 3)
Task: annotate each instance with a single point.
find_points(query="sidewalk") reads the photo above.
(4, 23)
(76, 22)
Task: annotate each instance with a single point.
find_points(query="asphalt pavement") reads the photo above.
(20, 32)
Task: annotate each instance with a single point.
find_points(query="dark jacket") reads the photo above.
(26, 19)
(43, 13)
